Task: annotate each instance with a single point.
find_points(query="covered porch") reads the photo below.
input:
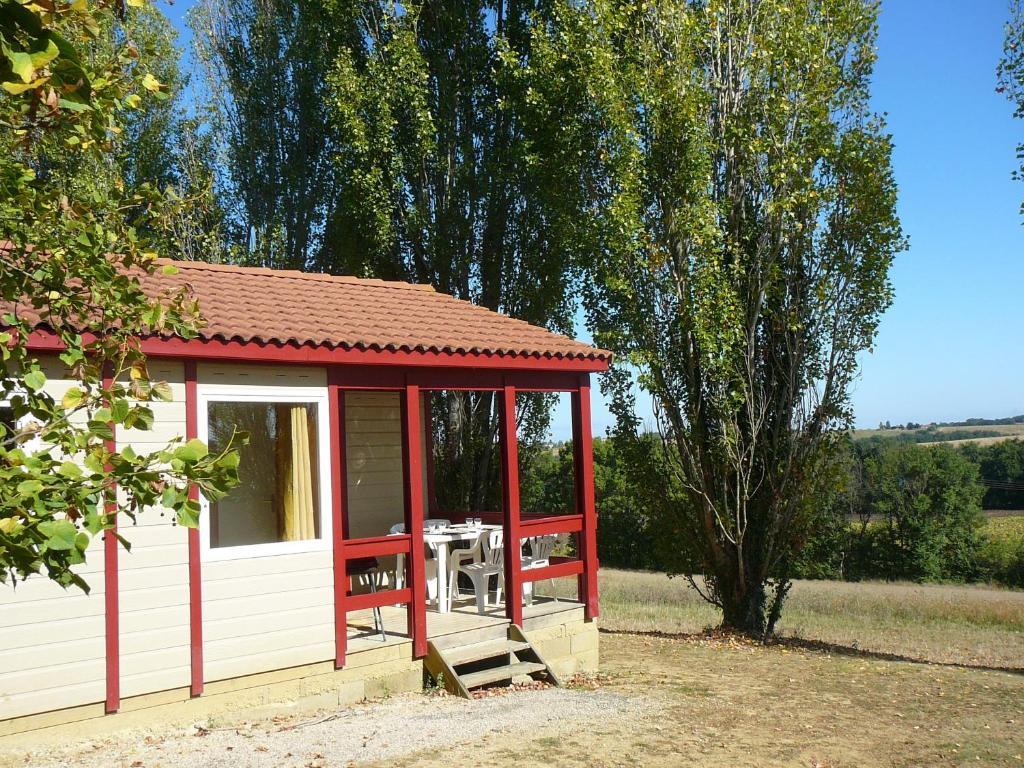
(404, 550)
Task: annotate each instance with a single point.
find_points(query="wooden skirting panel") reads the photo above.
(369, 674)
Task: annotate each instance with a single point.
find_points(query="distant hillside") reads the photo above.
(984, 422)
(970, 430)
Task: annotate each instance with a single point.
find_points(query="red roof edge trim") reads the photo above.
(257, 352)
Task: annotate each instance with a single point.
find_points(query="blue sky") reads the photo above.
(951, 345)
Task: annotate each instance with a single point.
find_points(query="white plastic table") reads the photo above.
(440, 541)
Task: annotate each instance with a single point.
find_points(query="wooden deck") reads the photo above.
(458, 626)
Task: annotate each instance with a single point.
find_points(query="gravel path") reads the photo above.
(387, 729)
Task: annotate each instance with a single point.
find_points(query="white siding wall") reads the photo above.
(259, 613)
(373, 436)
(153, 588)
(265, 613)
(51, 639)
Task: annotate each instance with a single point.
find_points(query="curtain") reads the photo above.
(295, 474)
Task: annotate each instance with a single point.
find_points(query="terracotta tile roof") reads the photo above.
(288, 307)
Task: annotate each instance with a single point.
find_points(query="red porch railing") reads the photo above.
(560, 566)
(378, 546)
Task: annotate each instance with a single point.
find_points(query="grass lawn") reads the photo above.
(978, 626)
(869, 675)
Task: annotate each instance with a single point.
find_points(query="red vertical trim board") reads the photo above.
(428, 431)
(510, 503)
(414, 518)
(112, 629)
(583, 450)
(195, 574)
(339, 491)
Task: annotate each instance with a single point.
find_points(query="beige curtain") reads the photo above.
(295, 474)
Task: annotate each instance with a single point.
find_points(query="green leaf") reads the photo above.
(72, 398)
(70, 470)
(21, 64)
(29, 487)
(193, 450)
(140, 417)
(162, 391)
(169, 497)
(43, 57)
(188, 515)
(60, 534)
(230, 460)
(119, 410)
(35, 380)
(74, 106)
(101, 430)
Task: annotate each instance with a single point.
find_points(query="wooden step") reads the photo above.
(480, 651)
(497, 630)
(497, 674)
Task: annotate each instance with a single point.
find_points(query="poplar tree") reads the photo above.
(747, 216)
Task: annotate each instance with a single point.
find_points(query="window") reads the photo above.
(280, 504)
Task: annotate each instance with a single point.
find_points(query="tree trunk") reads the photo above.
(754, 607)
(744, 609)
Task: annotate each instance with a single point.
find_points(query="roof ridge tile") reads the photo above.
(293, 274)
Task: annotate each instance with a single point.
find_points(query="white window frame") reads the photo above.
(243, 393)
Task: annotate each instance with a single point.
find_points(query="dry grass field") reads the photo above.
(1005, 432)
(973, 625)
(976, 440)
(891, 675)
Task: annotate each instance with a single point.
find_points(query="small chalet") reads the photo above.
(330, 569)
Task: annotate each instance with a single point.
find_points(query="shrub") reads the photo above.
(925, 508)
(1001, 557)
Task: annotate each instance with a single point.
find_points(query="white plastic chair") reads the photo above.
(491, 564)
(460, 557)
(429, 566)
(541, 548)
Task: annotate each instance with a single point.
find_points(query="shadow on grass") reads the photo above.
(818, 646)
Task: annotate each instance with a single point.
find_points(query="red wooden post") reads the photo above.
(339, 493)
(583, 454)
(195, 580)
(510, 504)
(414, 518)
(112, 623)
(428, 431)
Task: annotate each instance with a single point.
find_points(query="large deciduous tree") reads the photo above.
(266, 64)
(387, 140)
(74, 241)
(747, 206)
(444, 183)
